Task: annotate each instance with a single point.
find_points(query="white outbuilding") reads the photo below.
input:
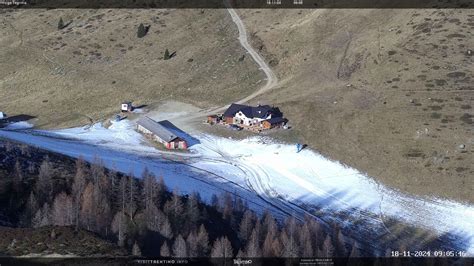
(126, 107)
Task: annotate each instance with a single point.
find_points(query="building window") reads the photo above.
(273, 2)
(297, 2)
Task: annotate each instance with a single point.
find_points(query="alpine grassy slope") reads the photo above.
(84, 71)
(388, 92)
(385, 91)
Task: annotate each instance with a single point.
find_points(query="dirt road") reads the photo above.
(272, 79)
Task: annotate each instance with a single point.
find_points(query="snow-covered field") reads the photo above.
(269, 175)
(18, 125)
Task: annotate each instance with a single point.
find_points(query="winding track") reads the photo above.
(272, 79)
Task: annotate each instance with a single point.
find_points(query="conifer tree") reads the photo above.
(228, 206)
(165, 228)
(277, 247)
(192, 212)
(290, 246)
(78, 186)
(142, 31)
(30, 211)
(149, 189)
(42, 216)
(17, 177)
(62, 210)
(44, 184)
(355, 251)
(246, 226)
(222, 248)
(267, 250)
(120, 228)
(341, 244)
(192, 244)
(174, 209)
(328, 247)
(253, 247)
(165, 250)
(136, 251)
(61, 24)
(167, 55)
(132, 197)
(203, 242)
(87, 214)
(179, 247)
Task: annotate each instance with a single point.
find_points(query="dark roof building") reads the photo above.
(157, 129)
(260, 111)
(233, 109)
(276, 120)
(161, 132)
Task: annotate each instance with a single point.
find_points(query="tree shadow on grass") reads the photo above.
(377, 234)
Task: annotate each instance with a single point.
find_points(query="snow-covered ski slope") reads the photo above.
(268, 175)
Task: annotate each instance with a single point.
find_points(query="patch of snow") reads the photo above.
(176, 173)
(138, 110)
(120, 135)
(309, 178)
(18, 126)
(268, 174)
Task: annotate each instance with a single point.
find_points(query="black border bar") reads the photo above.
(275, 4)
(462, 261)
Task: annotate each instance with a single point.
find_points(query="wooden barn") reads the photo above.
(275, 122)
(159, 133)
(212, 119)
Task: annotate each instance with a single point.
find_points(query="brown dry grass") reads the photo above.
(83, 72)
(67, 241)
(409, 103)
(401, 120)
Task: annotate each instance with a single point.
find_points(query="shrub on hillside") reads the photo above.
(142, 30)
(61, 24)
(167, 55)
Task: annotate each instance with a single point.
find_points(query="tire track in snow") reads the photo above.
(257, 179)
(227, 159)
(255, 159)
(278, 201)
(38, 141)
(271, 82)
(254, 175)
(349, 206)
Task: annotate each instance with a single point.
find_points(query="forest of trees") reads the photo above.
(143, 216)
